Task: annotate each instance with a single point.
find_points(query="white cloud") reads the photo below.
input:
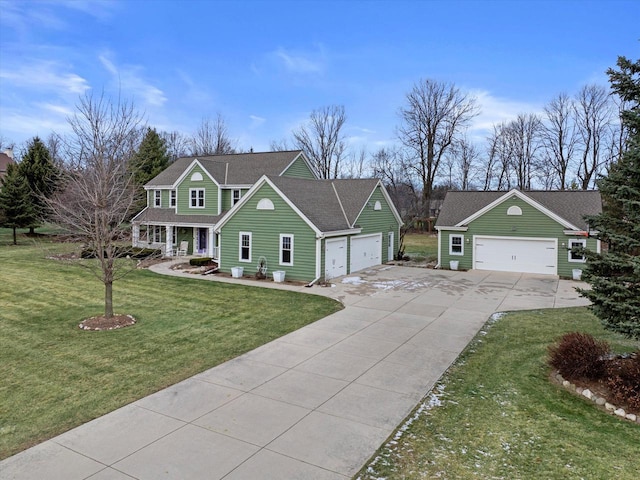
(298, 62)
(130, 80)
(495, 110)
(256, 121)
(45, 75)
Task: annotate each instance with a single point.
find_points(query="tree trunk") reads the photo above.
(32, 231)
(15, 239)
(108, 299)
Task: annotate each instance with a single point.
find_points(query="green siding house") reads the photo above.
(516, 231)
(309, 229)
(268, 210)
(187, 200)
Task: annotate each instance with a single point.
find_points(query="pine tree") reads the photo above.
(16, 203)
(151, 158)
(614, 275)
(41, 175)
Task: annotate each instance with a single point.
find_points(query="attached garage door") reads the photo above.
(335, 258)
(366, 251)
(516, 254)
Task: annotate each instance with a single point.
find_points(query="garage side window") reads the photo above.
(575, 256)
(245, 247)
(456, 244)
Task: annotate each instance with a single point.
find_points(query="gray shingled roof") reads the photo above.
(318, 201)
(571, 205)
(232, 169)
(168, 215)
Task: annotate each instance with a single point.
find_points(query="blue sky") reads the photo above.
(265, 65)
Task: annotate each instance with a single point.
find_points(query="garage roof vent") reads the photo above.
(514, 210)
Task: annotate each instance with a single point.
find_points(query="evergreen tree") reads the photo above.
(17, 208)
(614, 275)
(41, 175)
(151, 158)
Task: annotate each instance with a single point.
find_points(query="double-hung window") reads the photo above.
(245, 247)
(237, 193)
(172, 198)
(576, 256)
(157, 198)
(286, 249)
(456, 244)
(197, 197)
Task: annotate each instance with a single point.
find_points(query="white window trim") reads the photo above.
(461, 252)
(157, 198)
(173, 198)
(582, 241)
(191, 205)
(282, 236)
(240, 235)
(233, 196)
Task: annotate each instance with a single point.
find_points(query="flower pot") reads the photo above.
(577, 273)
(278, 276)
(453, 264)
(236, 272)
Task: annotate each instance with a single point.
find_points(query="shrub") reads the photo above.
(623, 380)
(579, 355)
(200, 261)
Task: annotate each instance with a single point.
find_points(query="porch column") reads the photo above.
(135, 234)
(169, 241)
(210, 243)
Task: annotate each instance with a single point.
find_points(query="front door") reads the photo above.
(202, 240)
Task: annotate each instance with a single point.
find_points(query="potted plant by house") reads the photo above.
(261, 273)
(278, 276)
(453, 264)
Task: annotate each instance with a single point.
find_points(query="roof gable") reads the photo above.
(232, 169)
(567, 207)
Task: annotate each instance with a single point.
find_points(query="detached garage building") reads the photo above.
(516, 231)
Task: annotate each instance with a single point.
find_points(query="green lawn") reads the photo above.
(497, 415)
(54, 376)
(421, 246)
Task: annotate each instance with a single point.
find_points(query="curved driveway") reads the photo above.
(314, 404)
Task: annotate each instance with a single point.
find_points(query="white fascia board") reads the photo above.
(578, 233)
(158, 187)
(188, 169)
(140, 213)
(524, 198)
(340, 233)
(385, 194)
(306, 160)
(231, 186)
(453, 229)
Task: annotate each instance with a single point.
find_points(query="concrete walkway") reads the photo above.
(314, 404)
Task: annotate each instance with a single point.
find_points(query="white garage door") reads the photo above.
(366, 251)
(335, 258)
(516, 254)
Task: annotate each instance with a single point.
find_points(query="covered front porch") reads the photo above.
(176, 240)
(174, 234)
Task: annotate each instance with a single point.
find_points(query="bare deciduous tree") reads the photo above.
(434, 115)
(461, 162)
(593, 117)
(559, 140)
(356, 165)
(280, 145)
(322, 139)
(524, 135)
(212, 138)
(98, 191)
(387, 164)
(177, 144)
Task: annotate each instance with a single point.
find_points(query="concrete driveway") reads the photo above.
(314, 404)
